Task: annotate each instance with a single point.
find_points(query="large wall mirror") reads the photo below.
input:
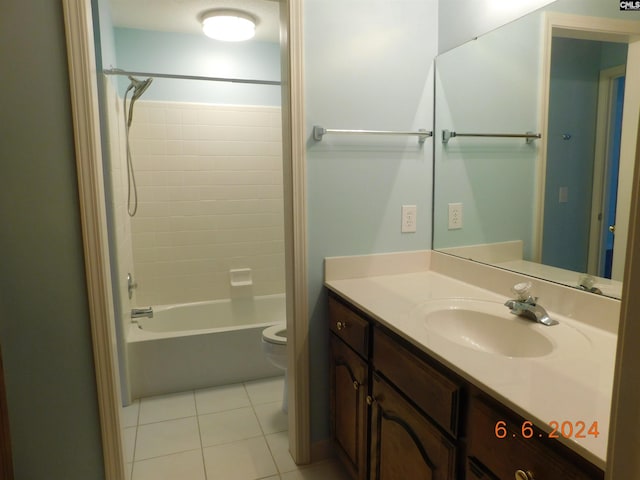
(536, 128)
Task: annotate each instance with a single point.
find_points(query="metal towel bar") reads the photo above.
(319, 132)
(529, 136)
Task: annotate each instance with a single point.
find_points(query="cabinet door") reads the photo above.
(348, 390)
(404, 444)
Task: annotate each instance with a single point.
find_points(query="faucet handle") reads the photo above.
(587, 281)
(521, 290)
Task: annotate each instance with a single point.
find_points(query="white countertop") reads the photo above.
(573, 383)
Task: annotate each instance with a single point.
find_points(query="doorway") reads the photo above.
(606, 170)
(574, 164)
(552, 198)
(82, 68)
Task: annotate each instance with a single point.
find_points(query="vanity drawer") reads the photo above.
(539, 455)
(431, 391)
(349, 326)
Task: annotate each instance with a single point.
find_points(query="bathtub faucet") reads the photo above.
(142, 312)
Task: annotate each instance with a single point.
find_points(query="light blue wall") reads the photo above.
(575, 70)
(613, 54)
(197, 55)
(103, 30)
(44, 314)
(365, 68)
(489, 85)
(462, 20)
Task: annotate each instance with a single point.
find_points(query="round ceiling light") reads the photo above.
(228, 25)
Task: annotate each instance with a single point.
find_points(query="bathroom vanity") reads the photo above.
(410, 400)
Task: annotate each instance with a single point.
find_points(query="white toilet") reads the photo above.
(274, 345)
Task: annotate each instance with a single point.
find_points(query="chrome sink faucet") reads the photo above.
(527, 306)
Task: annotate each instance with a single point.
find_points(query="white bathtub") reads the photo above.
(197, 345)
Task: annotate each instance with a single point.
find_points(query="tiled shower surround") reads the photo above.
(210, 199)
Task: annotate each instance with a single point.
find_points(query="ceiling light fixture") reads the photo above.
(228, 25)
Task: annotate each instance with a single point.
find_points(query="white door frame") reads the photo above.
(86, 119)
(601, 165)
(624, 428)
(586, 28)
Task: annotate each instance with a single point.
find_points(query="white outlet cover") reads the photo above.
(455, 216)
(409, 219)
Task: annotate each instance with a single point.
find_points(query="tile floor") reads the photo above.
(233, 432)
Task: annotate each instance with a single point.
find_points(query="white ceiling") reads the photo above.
(182, 15)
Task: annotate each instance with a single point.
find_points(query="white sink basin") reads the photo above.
(489, 327)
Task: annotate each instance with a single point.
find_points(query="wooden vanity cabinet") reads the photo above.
(377, 432)
(349, 387)
(398, 414)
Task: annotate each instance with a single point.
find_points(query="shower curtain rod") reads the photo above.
(117, 71)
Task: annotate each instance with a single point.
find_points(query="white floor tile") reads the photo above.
(247, 459)
(320, 471)
(279, 446)
(179, 466)
(266, 390)
(271, 417)
(163, 438)
(229, 426)
(130, 414)
(167, 407)
(129, 442)
(219, 399)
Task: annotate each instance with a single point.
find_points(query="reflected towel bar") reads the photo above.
(529, 136)
(319, 132)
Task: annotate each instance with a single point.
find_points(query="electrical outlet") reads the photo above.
(455, 216)
(408, 218)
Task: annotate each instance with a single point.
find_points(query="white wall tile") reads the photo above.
(210, 189)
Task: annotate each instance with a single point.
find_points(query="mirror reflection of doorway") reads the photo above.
(606, 170)
(575, 185)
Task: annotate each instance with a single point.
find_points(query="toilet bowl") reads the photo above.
(274, 345)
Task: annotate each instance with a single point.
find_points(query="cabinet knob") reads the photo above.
(356, 385)
(524, 475)
(341, 325)
(370, 400)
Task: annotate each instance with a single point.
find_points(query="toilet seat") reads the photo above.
(275, 334)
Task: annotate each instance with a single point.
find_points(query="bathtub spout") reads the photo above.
(142, 312)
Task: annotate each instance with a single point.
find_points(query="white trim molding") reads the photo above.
(86, 121)
(624, 428)
(294, 160)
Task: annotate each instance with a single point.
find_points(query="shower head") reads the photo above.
(139, 87)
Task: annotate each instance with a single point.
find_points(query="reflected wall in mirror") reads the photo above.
(540, 206)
